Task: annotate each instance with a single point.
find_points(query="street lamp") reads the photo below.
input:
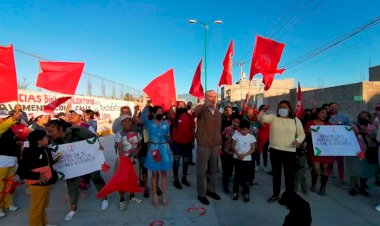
(205, 27)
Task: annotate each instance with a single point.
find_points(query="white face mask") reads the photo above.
(283, 112)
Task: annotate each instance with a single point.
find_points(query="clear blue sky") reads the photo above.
(134, 41)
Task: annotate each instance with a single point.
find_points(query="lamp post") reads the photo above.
(205, 27)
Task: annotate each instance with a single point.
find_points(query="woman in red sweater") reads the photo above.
(320, 163)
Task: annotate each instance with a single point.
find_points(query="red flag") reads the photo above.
(61, 77)
(196, 88)
(124, 179)
(49, 108)
(300, 108)
(8, 77)
(226, 78)
(266, 56)
(161, 90)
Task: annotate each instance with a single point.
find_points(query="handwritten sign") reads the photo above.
(79, 158)
(334, 141)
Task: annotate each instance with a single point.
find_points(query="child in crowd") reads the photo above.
(37, 170)
(228, 151)
(243, 146)
(128, 143)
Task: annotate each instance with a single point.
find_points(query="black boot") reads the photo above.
(314, 178)
(184, 181)
(177, 184)
(363, 186)
(322, 190)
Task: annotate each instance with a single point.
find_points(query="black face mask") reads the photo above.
(181, 110)
(159, 117)
(363, 121)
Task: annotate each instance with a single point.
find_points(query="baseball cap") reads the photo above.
(125, 117)
(78, 112)
(40, 113)
(4, 114)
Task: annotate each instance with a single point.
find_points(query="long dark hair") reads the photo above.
(35, 136)
(291, 113)
(60, 124)
(92, 113)
(153, 110)
(323, 109)
(178, 113)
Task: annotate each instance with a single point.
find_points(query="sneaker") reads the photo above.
(2, 214)
(274, 198)
(266, 169)
(105, 204)
(122, 206)
(135, 200)
(377, 207)
(213, 195)
(176, 184)
(246, 198)
(235, 196)
(203, 200)
(70, 215)
(185, 182)
(12, 208)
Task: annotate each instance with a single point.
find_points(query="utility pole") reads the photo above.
(240, 64)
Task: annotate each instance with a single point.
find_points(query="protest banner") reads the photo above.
(334, 141)
(78, 158)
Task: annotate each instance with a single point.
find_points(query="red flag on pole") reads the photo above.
(226, 78)
(161, 90)
(266, 56)
(300, 108)
(61, 77)
(49, 108)
(8, 77)
(196, 88)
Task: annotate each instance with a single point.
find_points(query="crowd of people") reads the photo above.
(158, 141)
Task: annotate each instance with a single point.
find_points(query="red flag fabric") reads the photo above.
(124, 179)
(226, 77)
(265, 58)
(196, 88)
(49, 108)
(8, 77)
(61, 77)
(161, 90)
(300, 108)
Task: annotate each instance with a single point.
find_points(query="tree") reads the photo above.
(129, 97)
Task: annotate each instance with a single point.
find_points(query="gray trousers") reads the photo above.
(206, 157)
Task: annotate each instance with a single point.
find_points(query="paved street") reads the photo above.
(337, 208)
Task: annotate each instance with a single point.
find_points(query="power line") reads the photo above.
(348, 46)
(280, 18)
(332, 43)
(290, 19)
(301, 19)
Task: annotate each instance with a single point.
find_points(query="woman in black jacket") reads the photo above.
(36, 169)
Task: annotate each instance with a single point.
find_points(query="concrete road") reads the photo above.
(338, 208)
